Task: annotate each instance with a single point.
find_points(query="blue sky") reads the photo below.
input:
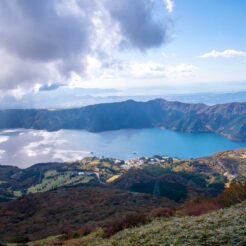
(121, 44)
(200, 27)
(206, 25)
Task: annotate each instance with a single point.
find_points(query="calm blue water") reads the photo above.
(25, 147)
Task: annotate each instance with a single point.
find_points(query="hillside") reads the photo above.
(228, 120)
(176, 179)
(16, 182)
(55, 198)
(37, 216)
(223, 227)
(231, 163)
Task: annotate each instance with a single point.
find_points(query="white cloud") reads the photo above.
(134, 71)
(152, 69)
(23, 75)
(3, 139)
(2, 152)
(52, 145)
(50, 41)
(45, 145)
(181, 70)
(224, 54)
(68, 155)
(164, 54)
(169, 5)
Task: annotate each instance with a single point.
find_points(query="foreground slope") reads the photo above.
(226, 119)
(37, 216)
(223, 227)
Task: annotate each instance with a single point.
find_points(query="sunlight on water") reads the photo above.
(23, 148)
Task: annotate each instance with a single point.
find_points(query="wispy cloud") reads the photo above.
(169, 5)
(3, 139)
(224, 54)
(2, 152)
(141, 70)
(152, 69)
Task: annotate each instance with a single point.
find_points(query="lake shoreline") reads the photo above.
(25, 147)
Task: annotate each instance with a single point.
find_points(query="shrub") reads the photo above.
(198, 207)
(161, 212)
(235, 193)
(70, 234)
(19, 239)
(89, 228)
(82, 231)
(128, 220)
(76, 234)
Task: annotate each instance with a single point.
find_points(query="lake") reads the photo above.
(23, 148)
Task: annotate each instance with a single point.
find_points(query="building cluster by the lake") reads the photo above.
(134, 162)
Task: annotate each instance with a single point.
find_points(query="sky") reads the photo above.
(121, 44)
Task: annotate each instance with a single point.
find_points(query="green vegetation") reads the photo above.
(16, 182)
(51, 182)
(17, 193)
(177, 179)
(104, 196)
(222, 227)
(177, 186)
(40, 215)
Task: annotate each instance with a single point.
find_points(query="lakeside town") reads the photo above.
(129, 163)
(108, 169)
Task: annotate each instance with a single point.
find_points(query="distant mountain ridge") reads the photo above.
(228, 119)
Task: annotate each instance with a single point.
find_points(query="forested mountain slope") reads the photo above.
(226, 119)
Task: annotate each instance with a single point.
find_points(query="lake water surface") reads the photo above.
(23, 148)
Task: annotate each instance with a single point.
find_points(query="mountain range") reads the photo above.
(228, 119)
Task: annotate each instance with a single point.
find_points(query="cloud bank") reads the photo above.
(51, 40)
(224, 54)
